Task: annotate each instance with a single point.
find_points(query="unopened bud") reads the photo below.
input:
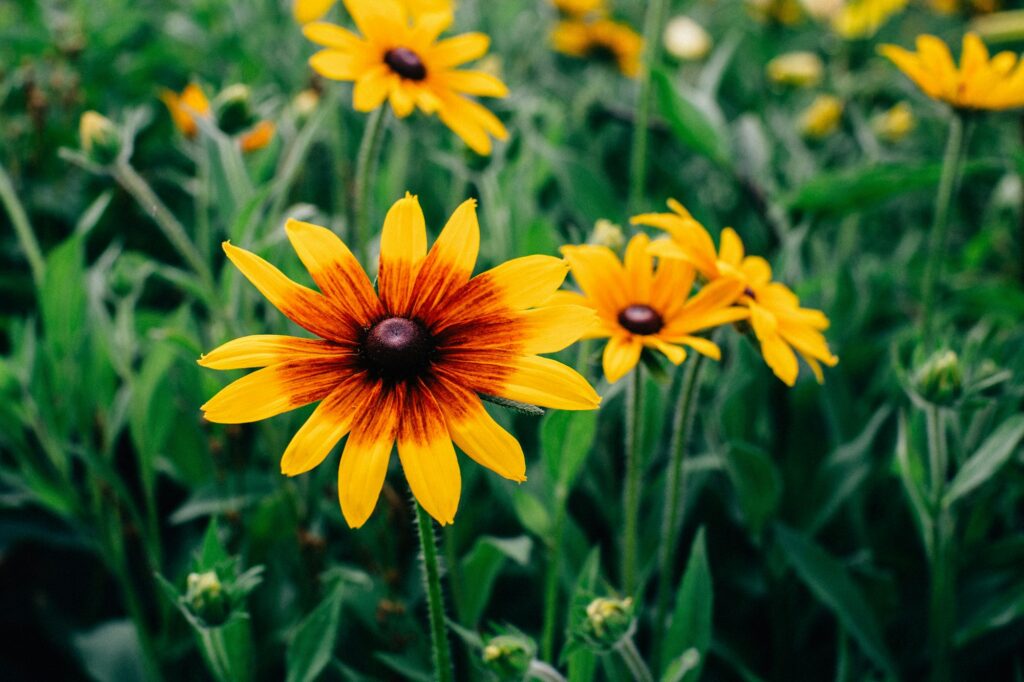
(607, 233)
(206, 598)
(234, 111)
(895, 123)
(100, 138)
(686, 39)
(821, 119)
(799, 69)
(305, 103)
(939, 379)
(509, 656)
(608, 621)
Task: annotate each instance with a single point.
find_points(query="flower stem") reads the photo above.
(675, 488)
(942, 596)
(22, 227)
(435, 601)
(631, 657)
(951, 162)
(653, 22)
(539, 670)
(551, 579)
(366, 161)
(631, 494)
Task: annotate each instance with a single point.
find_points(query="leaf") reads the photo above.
(566, 437)
(757, 482)
(312, 646)
(828, 580)
(62, 299)
(689, 124)
(690, 627)
(987, 460)
(532, 513)
(111, 652)
(480, 569)
(212, 552)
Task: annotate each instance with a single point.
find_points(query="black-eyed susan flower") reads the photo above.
(399, 59)
(406, 362)
(581, 8)
(600, 39)
(306, 11)
(783, 328)
(979, 83)
(640, 307)
(186, 107)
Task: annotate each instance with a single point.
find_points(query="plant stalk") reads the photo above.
(435, 599)
(366, 161)
(942, 606)
(22, 228)
(631, 493)
(653, 22)
(551, 579)
(631, 657)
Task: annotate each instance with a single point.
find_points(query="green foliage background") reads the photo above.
(810, 563)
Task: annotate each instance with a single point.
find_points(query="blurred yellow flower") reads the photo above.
(306, 11)
(581, 8)
(863, 18)
(607, 233)
(186, 107)
(822, 117)
(399, 58)
(257, 137)
(786, 12)
(979, 83)
(602, 39)
(895, 123)
(99, 137)
(781, 326)
(305, 103)
(640, 307)
(823, 10)
(801, 69)
(406, 362)
(686, 39)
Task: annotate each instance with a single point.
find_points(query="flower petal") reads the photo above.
(428, 458)
(639, 267)
(475, 83)
(556, 327)
(338, 65)
(372, 88)
(601, 276)
(403, 245)
(334, 36)
(547, 383)
(364, 461)
(477, 434)
(450, 262)
(269, 349)
(620, 356)
(458, 50)
(329, 422)
(273, 390)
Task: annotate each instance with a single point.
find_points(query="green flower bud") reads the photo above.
(607, 622)
(607, 233)
(939, 379)
(206, 598)
(509, 656)
(100, 138)
(234, 109)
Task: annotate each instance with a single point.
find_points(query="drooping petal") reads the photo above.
(620, 356)
(273, 390)
(675, 354)
(403, 245)
(269, 349)
(777, 353)
(428, 458)
(372, 88)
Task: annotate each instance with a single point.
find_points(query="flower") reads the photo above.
(100, 138)
(802, 69)
(307, 11)
(257, 137)
(305, 103)
(399, 59)
(782, 327)
(581, 8)
(642, 308)
(406, 362)
(979, 83)
(601, 39)
(607, 233)
(686, 39)
(863, 18)
(186, 107)
(822, 117)
(895, 123)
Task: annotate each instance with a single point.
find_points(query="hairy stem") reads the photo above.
(366, 161)
(435, 599)
(631, 657)
(631, 493)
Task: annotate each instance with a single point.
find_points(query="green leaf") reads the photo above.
(480, 569)
(311, 648)
(690, 627)
(757, 482)
(111, 652)
(213, 551)
(690, 125)
(828, 580)
(62, 299)
(987, 460)
(566, 437)
(532, 513)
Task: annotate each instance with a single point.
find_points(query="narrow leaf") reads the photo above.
(988, 459)
(690, 627)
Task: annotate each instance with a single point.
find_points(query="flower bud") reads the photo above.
(509, 656)
(100, 138)
(608, 621)
(305, 103)
(607, 233)
(939, 379)
(257, 137)
(234, 112)
(822, 10)
(800, 69)
(895, 123)
(685, 39)
(821, 119)
(186, 108)
(206, 598)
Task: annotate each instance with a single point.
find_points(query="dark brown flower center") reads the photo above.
(397, 348)
(750, 292)
(405, 63)
(641, 319)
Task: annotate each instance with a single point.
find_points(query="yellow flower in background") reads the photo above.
(257, 137)
(186, 107)
(822, 117)
(306, 11)
(823, 10)
(581, 8)
(99, 137)
(800, 69)
(405, 362)
(782, 327)
(399, 59)
(786, 12)
(895, 123)
(979, 83)
(863, 18)
(602, 39)
(640, 307)
(686, 39)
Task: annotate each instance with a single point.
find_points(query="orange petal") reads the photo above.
(428, 458)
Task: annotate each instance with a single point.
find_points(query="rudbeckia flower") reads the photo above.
(399, 58)
(406, 362)
(781, 326)
(581, 8)
(184, 108)
(640, 307)
(863, 18)
(306, 11)
(602, 39)
(979, 83)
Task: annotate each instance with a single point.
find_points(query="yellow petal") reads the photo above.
(364, 462)
(268, 349)
(478, 435)
(731, 248)
(372, 88)
(547, 383)
(601, 276)
(459, 50)
(703, 346)
(451, 260)
(306, 11)
(639, 266)
(273, 390)
(428, 458)
(330, 35)
(556, 327)
(403, 245)
(523, 282)
(674, 353)
(331, 420)
(337, 65)
(620, 356)
(475, 83)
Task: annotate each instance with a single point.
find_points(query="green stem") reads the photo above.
(551, 579)
(539, 670)
(631, 657)
(951, 162)
(653, 23)
(23, 228)
(631, 493)
(435, 601)
(369, 150)
(942, 594)
(675, 489)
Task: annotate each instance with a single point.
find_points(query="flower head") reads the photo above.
(257, 137)
(801, 69)
(186, 107)
(581, 8)
(895, 123)
(822, 117)
(640, 307)
(100, 138)
(398, 58)
(863, 18)
(406, 362)
(783, 328)
(979, 82)
(686, 39)
(600, 39)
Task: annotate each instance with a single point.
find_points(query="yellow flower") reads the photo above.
(581, 8)
(640, 307)
(786, 12)
(257, 137)
(686, 39)
(821, 118)
(802, 69)
(783, 328)
(306, 11)
(100, 138)
(863, 18)
(600, 39)
(893, 124)
(406, 362)
(186, 107)
(400, 59)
